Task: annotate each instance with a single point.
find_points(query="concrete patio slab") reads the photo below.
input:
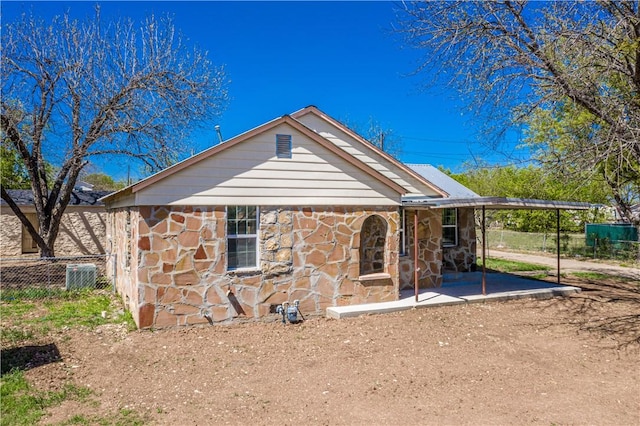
(459, 289)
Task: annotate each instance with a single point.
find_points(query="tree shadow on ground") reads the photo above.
(27, 357)
(609, 307)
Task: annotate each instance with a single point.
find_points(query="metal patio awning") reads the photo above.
(494, 203)
(491, 203)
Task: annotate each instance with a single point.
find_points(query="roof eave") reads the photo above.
(397, 163)
(497, 203)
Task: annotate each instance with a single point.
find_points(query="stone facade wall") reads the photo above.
(120, 239)
(434, 260)
(462, 257)
(429, 250)
(82, 232)
(307, 254)
(10, 235)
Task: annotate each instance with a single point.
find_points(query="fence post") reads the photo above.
(113, 275)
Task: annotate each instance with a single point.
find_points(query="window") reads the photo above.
(403, 233)
(449, 227)
(283, 146)
(242, 237)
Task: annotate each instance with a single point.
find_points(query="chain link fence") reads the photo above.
(570, 245)
(43, 277)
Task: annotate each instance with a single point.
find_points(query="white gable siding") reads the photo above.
(250, 173)
(367, 156)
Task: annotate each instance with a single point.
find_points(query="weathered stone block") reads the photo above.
(193, 223)
(284, 218)
(196, 319)
(272, 269)
(186, 278)
(219, 313)
(148, 295)
(177, 218)
(143, 275)
(150, 259)
(192, 298)
(145, 316)
(166, 319)
(200, 253)
(144, 243)
(325, 286)
(268, 217)
(160, 228)
(284, 256)
(189, 239)
(202, 266)
(271, 244)
(277, 298)
(160, 213)
(160, 279)
(158, 243)
(169, 295)
(212, 296)
(184, 264)
(315, 258)
(286, 241)
(183, 309)
(175, 228)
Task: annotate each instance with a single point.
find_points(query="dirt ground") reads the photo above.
(571, 360)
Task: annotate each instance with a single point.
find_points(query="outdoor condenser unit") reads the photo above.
(81, 276)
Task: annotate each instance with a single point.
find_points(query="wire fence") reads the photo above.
(43, 277)
(570, 245)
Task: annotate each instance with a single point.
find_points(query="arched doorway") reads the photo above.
(373, 237)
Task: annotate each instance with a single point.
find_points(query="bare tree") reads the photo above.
(383, 137)
(513, 60)
(75, 90)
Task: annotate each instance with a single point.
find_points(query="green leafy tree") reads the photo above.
(14, 174)
(103, 182)
(536, 183)
(576, 63)
(565, 139)
(74, 90)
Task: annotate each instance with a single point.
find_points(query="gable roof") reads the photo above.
(369, 146)
(286, 119)
(454, 188)
(24, 197)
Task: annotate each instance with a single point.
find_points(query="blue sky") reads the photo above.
(282, 56)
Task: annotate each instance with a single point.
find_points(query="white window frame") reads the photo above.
(403, 233)
(454, 227)
(236, 237)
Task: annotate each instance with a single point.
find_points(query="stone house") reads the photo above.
(299, 208)
(82, 229)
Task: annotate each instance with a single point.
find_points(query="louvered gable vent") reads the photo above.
(283, 146)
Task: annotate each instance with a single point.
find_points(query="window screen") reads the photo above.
(242, 236)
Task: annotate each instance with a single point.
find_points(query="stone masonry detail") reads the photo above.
(462, 257)
(307, 254)
(429, 251)
(82, 232)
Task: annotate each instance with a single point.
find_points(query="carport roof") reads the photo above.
(495, 203)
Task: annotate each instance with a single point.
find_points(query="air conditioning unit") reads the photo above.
(81, 276)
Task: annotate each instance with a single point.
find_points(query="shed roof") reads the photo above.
(454, 188)
(496, 203)
(24, 197)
